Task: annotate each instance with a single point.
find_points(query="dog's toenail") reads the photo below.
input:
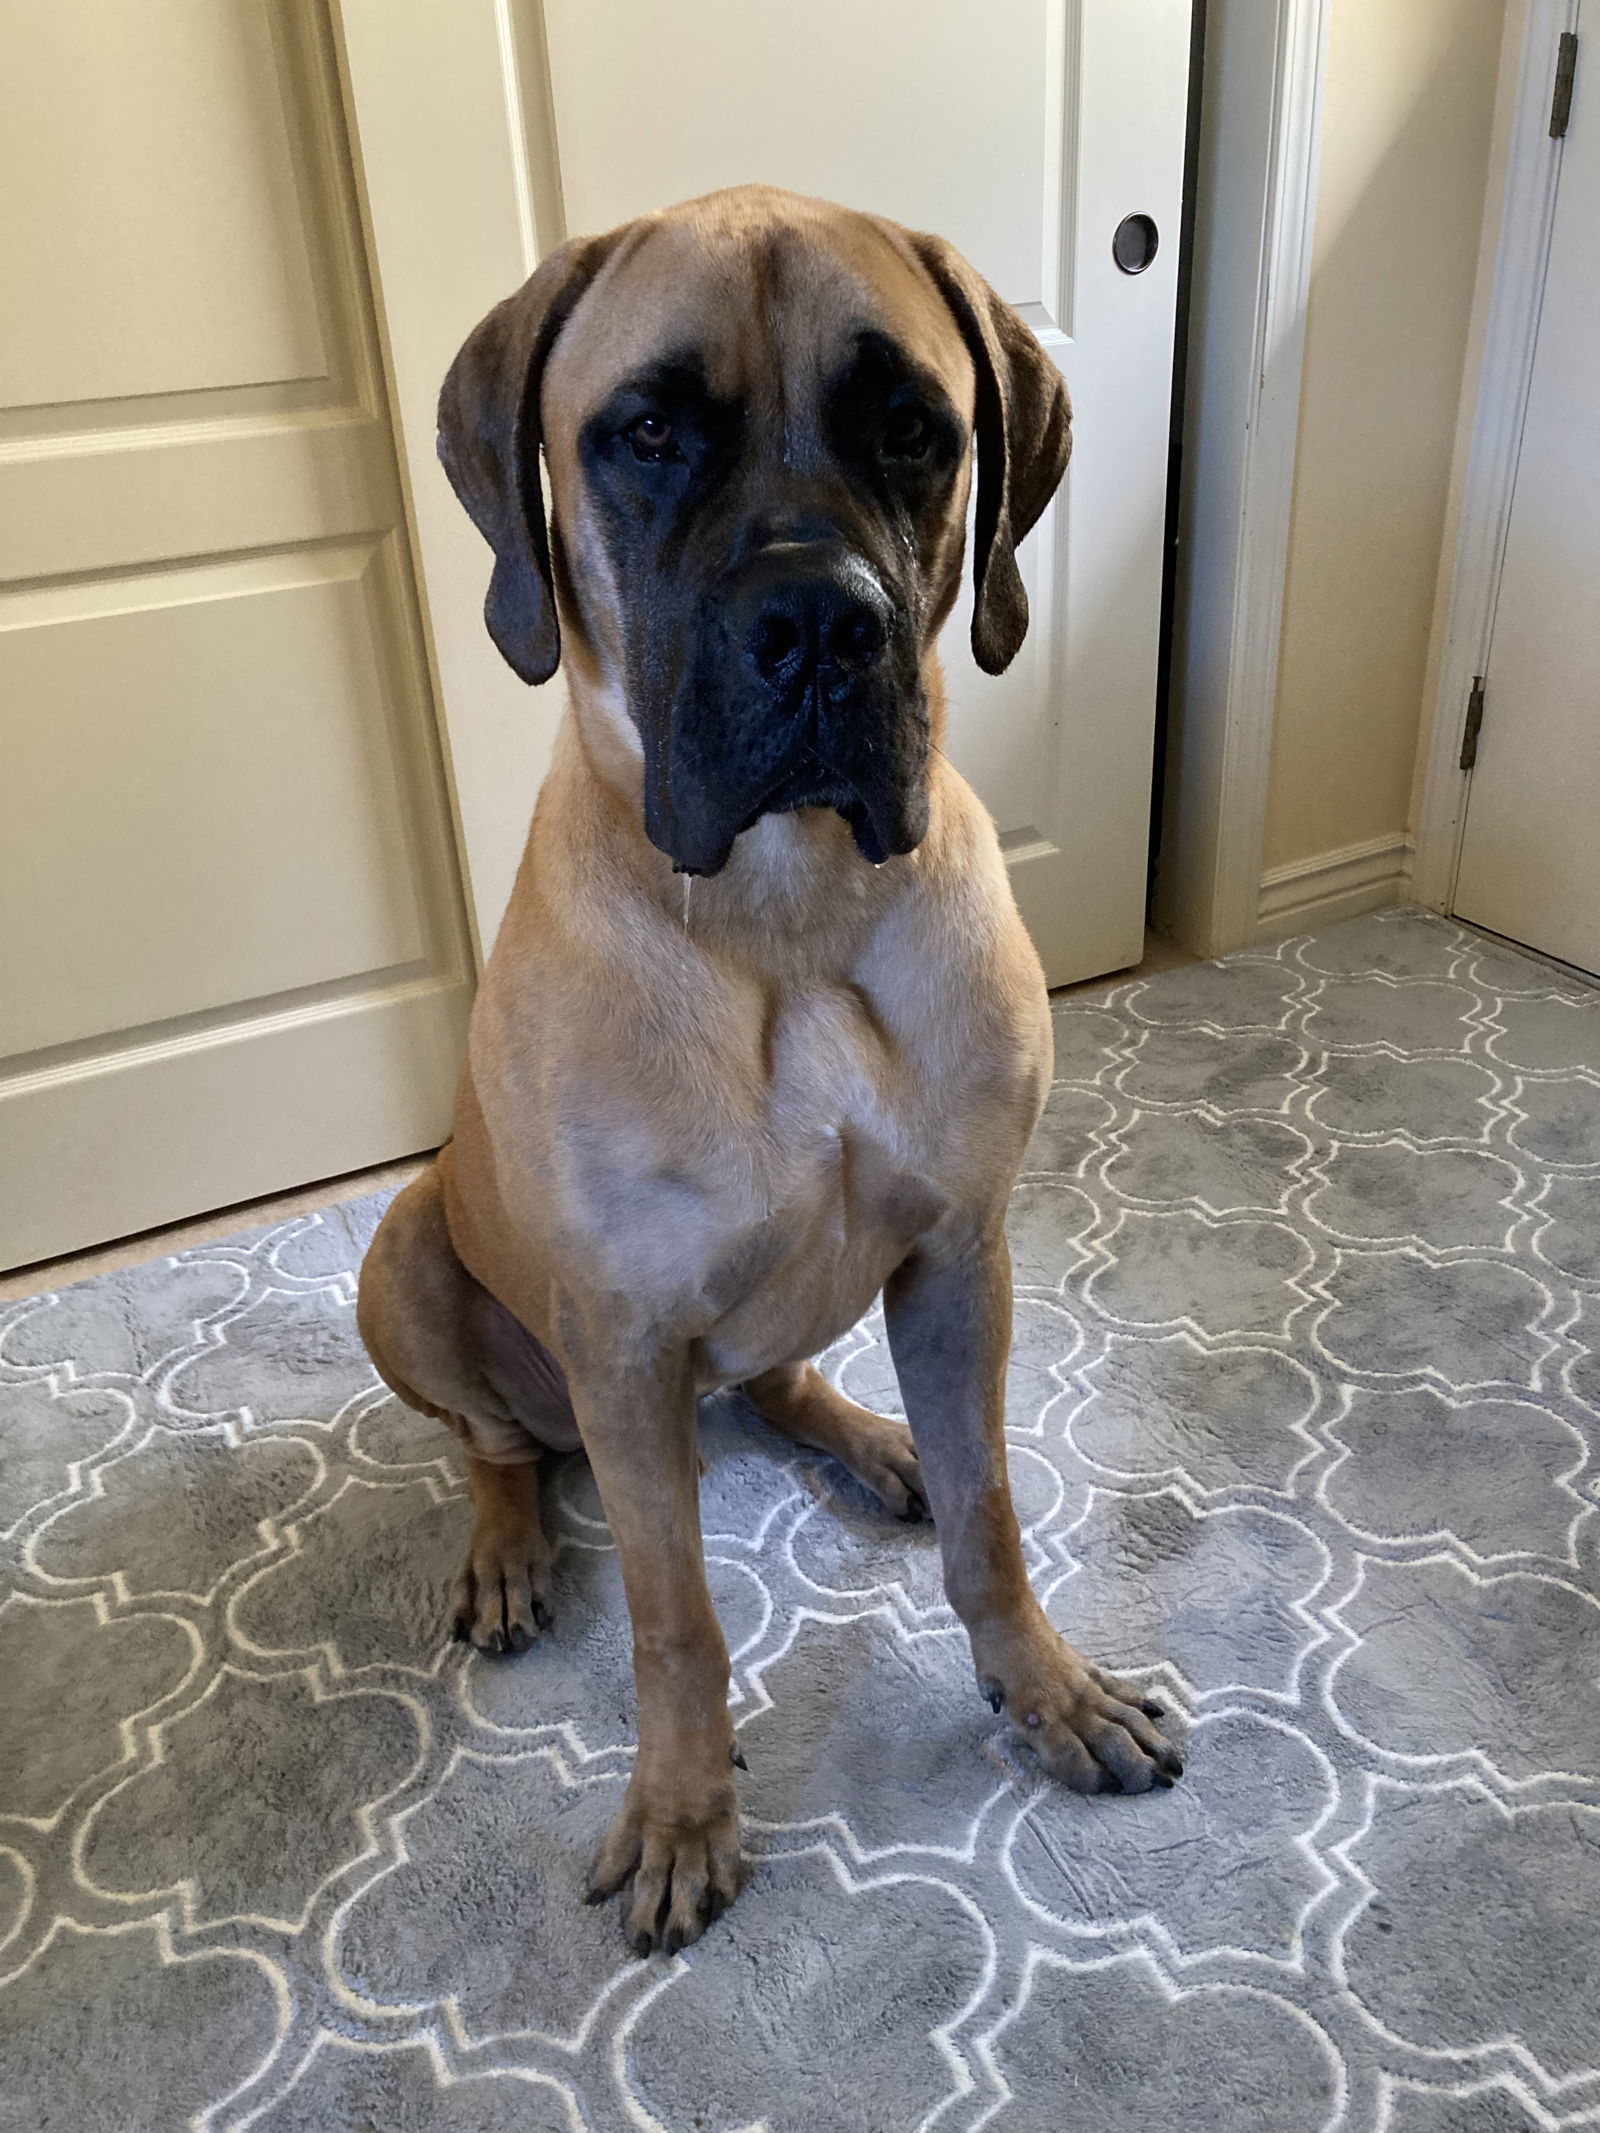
(736, 1757)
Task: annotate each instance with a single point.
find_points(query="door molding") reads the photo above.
(1261, 119)
(1515, 256)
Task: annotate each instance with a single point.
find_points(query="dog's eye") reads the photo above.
(651, 438)
(905, 433)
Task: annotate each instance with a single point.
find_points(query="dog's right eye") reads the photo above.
(905, 433)
(651, 438)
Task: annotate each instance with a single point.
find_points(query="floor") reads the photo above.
(1159, 954)
(1303, 1421)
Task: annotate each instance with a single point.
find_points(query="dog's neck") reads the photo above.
(787, 875)
(795, 899)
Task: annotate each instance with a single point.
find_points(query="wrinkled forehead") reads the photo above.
(771, 308)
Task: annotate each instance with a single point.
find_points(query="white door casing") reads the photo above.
(232, 955)
(1257, 155)
(1024, 130)
(1529, 863)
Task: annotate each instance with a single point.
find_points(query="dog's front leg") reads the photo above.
(949, 1323)
(674, 1846)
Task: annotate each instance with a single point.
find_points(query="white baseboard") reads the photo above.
(1333, 885)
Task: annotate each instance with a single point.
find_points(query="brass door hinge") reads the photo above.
(1566, 73)
(1474, 725)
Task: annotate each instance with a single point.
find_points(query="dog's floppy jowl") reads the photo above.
(770, 495)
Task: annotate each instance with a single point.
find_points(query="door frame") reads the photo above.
(1512, 266)
(1260, 139)
(451, 122)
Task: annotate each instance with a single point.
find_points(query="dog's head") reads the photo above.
(759, 416)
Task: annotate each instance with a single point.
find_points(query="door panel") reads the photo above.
(1024, 130)
(1530, 859)
(254, 684)
(140, 271)
(232, 942)
(898, 107)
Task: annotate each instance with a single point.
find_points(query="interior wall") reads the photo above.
(1408, 106)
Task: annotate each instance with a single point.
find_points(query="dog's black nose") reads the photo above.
(813, 616)
(815, 622)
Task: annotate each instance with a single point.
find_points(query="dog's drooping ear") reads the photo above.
(489, 436)
(1024, 438)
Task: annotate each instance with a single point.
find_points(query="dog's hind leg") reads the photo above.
(445, 1347)
(798, 1402)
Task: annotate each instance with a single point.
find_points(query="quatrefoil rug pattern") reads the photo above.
(1305, 1434)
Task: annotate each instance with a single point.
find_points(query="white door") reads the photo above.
(1023, 130)
(1530, 852)
(232, 955)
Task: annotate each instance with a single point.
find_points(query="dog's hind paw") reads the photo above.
(884, 1460)
(501, 1602)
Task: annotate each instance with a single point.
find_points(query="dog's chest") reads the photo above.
(849, 1119)
(757, 1212)
(845, 1175)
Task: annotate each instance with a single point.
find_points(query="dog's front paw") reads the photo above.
(677, 1864)
(1089, 1728)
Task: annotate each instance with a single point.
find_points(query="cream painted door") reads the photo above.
(232, 956)
(1024, 130)
(1530, 852)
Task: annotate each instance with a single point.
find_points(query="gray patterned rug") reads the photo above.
(1305, 1412)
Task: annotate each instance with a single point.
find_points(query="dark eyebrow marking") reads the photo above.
(879, 356)
(678, 375)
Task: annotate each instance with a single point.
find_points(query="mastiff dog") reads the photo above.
(762, 1035)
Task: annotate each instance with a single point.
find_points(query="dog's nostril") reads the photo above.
(854, 640)
(775, 639)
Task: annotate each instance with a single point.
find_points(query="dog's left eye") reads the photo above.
(905, 433)
(651, 438)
